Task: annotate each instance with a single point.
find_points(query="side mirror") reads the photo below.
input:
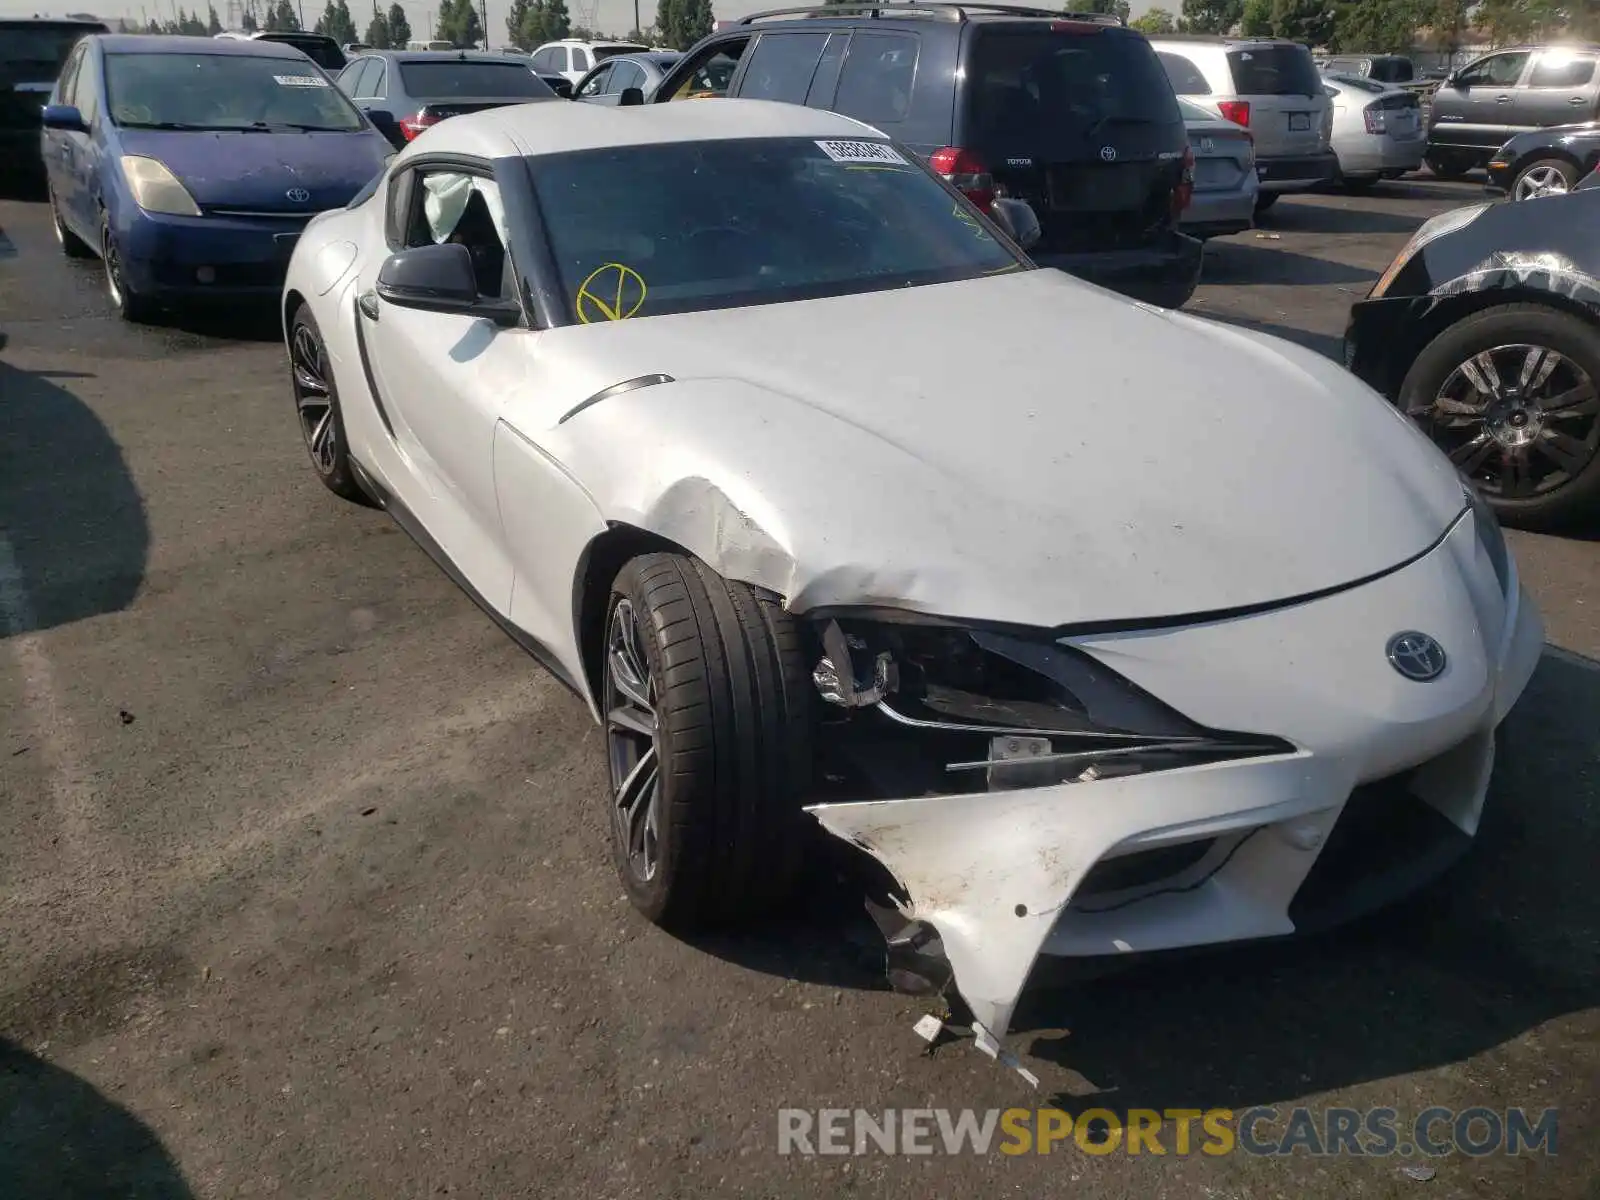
(63, 117)
(440, 279)
(1019, 220)
(631, 97)
(383, 121)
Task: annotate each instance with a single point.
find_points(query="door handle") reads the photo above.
(1577, 100)
(367, 302)
(1502, 99)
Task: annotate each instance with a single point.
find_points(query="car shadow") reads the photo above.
(1260, 261)
(75, 536)
(1501, 945)
(61, 1139)
(256, 321)
(1324, 344)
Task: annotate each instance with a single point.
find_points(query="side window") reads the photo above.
(626, 75)
(85, 95)
(826, 81)
(596, 84)
(558, 58)
(875, 84)
(376, 83)
(350, 76)
(455, 206)
(1185, 77)
(1498, 70)
(1557, 70)
(67, 86)
(712, 71)
(781, 66)
(580, 59)
(366, 72)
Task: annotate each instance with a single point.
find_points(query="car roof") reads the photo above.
(141, 43)
(1221, 39)
(51, 22)
(544, 128)
(410, 56)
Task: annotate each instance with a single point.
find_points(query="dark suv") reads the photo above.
(1072, 113)
(31, 55)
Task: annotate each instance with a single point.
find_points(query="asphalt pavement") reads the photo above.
(304, 888)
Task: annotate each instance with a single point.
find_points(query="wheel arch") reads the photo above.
(1450, 310)
(1542, 153)
(292, 300)
(602, 559)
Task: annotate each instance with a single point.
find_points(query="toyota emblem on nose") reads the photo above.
(1108, 153)
(298, 195)
(1416, 656)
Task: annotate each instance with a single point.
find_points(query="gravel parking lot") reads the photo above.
(304, 888)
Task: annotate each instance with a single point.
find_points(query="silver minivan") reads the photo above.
(1270, 86)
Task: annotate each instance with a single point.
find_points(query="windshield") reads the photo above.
(445, 79)
(1274, 71)
(1038, 91)
(41, 47)
(640, 231)
(1193, 112)
(223, 92)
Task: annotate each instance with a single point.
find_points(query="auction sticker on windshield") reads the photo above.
(863, 152)
(301, 80)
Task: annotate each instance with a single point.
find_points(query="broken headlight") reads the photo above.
(931, 707)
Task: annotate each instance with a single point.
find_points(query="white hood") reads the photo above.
(1025, 448)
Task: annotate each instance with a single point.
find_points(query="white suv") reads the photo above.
(574, 59)
(1272, 88)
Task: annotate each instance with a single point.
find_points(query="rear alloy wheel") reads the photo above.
(1510, 394)
(130, 305)
(316, 401)
(707, 708)
(1547, 177)
(71, 244)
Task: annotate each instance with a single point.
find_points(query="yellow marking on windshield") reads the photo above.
(1004, 269)
(598, 300)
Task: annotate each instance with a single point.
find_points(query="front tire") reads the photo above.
(1449, 165)
(71, 244)
(316, 402)
(1510, 394)
(707, 704)
(1546, 177)
(129, 304)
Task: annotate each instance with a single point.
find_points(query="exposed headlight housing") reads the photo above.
(1430, 230)
(1491, 537)
(931, 708)
(156, 189)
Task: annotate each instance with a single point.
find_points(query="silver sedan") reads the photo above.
(1225, 182)
(1378, 131)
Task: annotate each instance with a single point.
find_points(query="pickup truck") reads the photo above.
(1477, 109)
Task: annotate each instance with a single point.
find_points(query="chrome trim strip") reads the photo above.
(616, 389)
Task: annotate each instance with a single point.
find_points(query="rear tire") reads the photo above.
(1265, 200)
(1360, 185)
(1448, 164)
(1477, 444)
(705, 689)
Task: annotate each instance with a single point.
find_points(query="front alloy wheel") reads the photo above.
(316, 401)
(1548, 177)
(129, 304)
(1510, 394)
(707, 709)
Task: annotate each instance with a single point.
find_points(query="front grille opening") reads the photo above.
(1142, 869)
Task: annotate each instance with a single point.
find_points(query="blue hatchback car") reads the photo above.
(190, 165)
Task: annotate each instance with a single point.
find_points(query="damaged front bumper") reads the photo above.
(1378, 783)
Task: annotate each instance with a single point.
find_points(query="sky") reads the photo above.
(611, 16)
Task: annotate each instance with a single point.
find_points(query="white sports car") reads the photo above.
(1104, 628)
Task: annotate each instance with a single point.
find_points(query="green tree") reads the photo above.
(1211, 16)
(1157, 20)
(399, 27)
(558, 23)
(1256, 19)
(1309, 22)
(378, 31)
(516, 19)
(1117, 8)
(667, 23)
(1381, 26)
(213, 26)
(459, 23)
(283, 17)
(336, 22)
(697, 19)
